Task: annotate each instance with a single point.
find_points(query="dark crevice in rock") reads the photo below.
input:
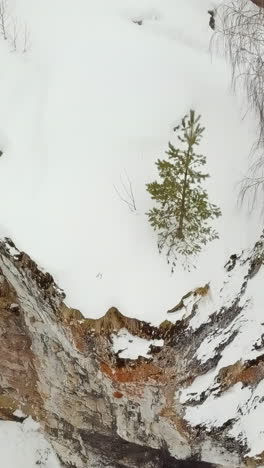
(127, 454)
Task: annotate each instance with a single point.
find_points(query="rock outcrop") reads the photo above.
(259, 3)
(99, 409)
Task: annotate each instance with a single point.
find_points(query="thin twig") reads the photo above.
(240, 33)
(128, 194)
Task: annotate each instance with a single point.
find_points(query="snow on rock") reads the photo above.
(231, 392)
(249, 427)
(19, 414)
(11, 247)
(196, 390)
(216, 412)
(23, 446)
(131, 347)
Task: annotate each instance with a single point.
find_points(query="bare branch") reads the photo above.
(13, 37)
(11, 31)
(26, 44)
(4, 18)
(127, 193)
(240, 33)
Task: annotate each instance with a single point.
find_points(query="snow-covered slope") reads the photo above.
(96, 97)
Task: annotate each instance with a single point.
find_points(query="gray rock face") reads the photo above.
(101, 410)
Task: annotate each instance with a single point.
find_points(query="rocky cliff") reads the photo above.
(117, 392)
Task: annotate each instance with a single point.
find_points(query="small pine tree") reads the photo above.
(183, 209)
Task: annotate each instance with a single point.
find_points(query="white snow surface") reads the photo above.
(130, 346)
(23, 446)
(96, 97)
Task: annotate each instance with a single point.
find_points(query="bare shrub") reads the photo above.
(240, 33)
(16, 34)
(4, 19)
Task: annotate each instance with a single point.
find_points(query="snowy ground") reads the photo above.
(95, 97)
(22, 446)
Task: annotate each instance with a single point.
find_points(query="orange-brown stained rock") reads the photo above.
(142, 372)
(118, 395)
(253, 462)
(113, 320)
(228, 376)
(252, 375)
(238, 372)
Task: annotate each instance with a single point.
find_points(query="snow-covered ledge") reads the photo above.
(119, 392)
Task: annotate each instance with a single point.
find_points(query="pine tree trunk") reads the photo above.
(180, 234)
